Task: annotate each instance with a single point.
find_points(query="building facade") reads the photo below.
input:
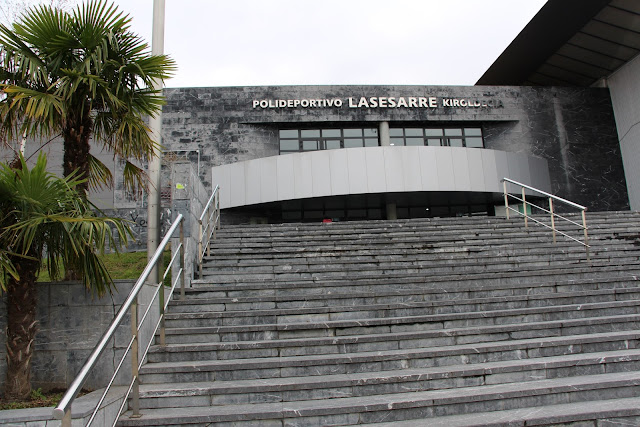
(297, 153)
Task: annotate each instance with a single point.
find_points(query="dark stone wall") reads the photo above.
(573, 128)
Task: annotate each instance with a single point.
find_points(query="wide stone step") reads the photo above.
(594, 221)
(385, 351)
(355, 308)
(326, 285)
(233, 258)
(404, 347)
(406, 309)
(613, 412)
(415, 229)
(403, 406)
(433, 242)
(385, 382)
(326, 265)
(324, 327)
(212, 298)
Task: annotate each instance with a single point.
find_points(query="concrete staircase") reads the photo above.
(443, 322)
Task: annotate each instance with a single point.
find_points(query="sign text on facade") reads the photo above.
(378, 102)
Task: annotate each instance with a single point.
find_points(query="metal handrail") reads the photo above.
(63, 410)
(550, 211)
(209, 223)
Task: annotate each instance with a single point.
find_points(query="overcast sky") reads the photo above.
(320, 42)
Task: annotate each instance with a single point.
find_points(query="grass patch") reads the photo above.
(38, 399)
(125, 265)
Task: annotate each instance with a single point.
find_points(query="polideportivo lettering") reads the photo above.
(295, 103)
(378, 102)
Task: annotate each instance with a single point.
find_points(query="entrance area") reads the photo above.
(370, 207)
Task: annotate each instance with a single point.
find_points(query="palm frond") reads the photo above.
(135, 179)
(43, 214)
(100, 176)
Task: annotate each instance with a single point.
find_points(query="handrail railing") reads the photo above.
(550, 211)
(209, 223)
(63, 410)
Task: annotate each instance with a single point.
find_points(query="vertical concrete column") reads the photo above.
(385, 141)
(383, 134)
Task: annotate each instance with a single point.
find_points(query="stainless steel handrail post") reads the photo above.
(553, 220)
(211, 227)
(218, 208)
(212, 219)
(135, 391)
(524, 209)
(182, 279)
(161, 312)
(586, 234)
(506, 198)
(66, 420)
(200, 252)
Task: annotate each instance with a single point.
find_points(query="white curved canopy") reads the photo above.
(390, 169)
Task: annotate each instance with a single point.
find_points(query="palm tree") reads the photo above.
(42, 217)
(85, 76)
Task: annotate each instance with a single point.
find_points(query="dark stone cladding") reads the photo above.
(573, 128)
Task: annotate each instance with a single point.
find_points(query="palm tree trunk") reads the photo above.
(76, 134)
(21, 329)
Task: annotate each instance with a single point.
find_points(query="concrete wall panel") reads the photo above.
(269, 178)
(460, 169)
(302, 178)
(321, 174)
(253, 181)
(491, 174)
(285, 178)
(429, 168)
(411, 170)
(237, 180)
(339, 172)
(444, 166)
(475, 168)
(394, 168)
(357, 168)
(375, 165)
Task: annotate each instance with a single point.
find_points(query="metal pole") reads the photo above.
(586, 234)
(200, 251)
(524, 209)
(553, 220)
(506, 198)
(219, 217)
(208, 228)
(181, 261)
(155, 163)
(161, 308)
(135, 390)
(66, 420)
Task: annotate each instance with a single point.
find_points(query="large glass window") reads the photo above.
(296, 140)
(449, 136)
